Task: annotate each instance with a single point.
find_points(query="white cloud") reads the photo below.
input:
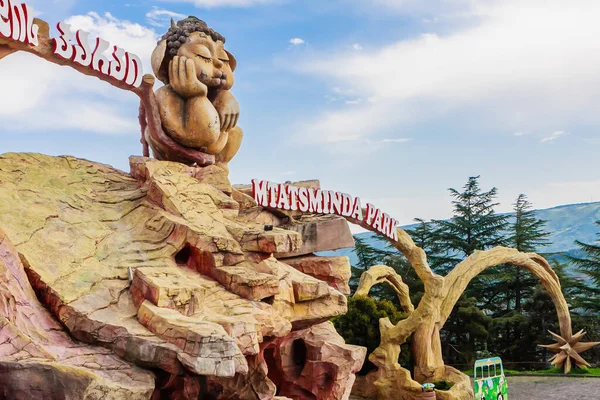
(553, 136)
(343, 92)
(400, 140)
(556, 193)
(225, 3)
(429, 11)
(347, 95)
(519, 133)
(357, 47)
(297, 41)
(161, 18)
(62, 98)
(533, 62)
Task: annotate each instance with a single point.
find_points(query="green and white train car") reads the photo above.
(490, 382)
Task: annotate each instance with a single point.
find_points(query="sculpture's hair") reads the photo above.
(181, 31)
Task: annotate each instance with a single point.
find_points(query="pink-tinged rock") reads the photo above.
(38, 359)
(275, 241)
(208, 349)
(245, 201)
(336, 271)
(319, 233)
(203, 300)
(245, 281)
(142, 168)
(314, 363)
(215, 176)
(256, 385)
(84, 228)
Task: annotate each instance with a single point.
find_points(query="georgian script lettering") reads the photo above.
(123, 66)
(285, 197)
(16, 23)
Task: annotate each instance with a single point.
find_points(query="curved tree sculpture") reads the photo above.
(425, 322)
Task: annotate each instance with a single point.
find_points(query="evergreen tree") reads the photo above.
(396, 260)
(527, 232)
(526, 235)
(474, 225)
(367, 256)
(425, 235)
(589, 267)
(509, 329)
(541, 317)
(465, 333)
(515, 335)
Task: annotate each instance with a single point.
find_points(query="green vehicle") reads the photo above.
(490, 382)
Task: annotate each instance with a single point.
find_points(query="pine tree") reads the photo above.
(516, 285)
(465, 333)
(541, 318)
(527, 235)
(475, 224)
(589, 266)
(425, 235)
(515, 335)
(367, 257)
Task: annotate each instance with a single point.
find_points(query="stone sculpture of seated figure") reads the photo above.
(197, 109)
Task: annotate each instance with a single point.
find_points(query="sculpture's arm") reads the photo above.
(228, 108)
(183, 79)
(185, 109)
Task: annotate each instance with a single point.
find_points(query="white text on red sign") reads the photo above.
(316, 201)
(16, 24)
(123, 66)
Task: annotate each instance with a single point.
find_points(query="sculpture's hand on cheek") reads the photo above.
(183, 79)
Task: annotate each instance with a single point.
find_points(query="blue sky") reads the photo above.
(393, 101)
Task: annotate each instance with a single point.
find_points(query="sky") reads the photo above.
(392, 101)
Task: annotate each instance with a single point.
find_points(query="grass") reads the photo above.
(574, 371)
(443, 385)
(552, 371)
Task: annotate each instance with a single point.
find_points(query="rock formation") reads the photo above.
(163, 282)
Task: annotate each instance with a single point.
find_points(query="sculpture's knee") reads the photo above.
(234, 142)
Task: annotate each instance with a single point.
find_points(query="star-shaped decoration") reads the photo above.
(567, 349)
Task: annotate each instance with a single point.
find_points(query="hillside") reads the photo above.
(565, 223)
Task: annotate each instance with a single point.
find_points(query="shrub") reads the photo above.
(360, 326)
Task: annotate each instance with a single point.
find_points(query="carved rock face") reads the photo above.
(204, 295)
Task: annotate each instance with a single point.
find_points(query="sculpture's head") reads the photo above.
(193, 39)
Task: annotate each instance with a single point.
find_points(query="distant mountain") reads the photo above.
(564, 223)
